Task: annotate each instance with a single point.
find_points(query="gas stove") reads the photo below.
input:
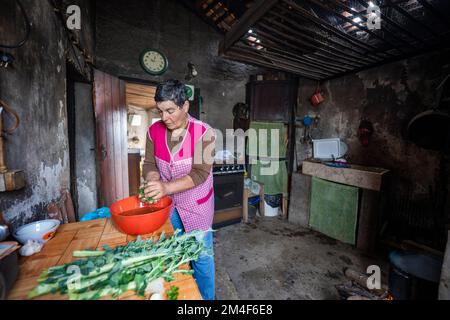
(225, 169)
(228, 193)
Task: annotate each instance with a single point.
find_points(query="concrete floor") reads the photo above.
(272, 259)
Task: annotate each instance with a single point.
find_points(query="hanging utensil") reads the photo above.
(317, 97)
(431, 129)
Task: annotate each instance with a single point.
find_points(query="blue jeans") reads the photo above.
(204, 270)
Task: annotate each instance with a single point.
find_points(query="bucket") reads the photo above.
(269, 211)
(414, 276)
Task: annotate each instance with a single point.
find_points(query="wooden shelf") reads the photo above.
(369, 178)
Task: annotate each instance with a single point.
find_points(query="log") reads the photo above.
(361, 279)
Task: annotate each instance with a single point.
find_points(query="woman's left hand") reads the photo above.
(155, 189)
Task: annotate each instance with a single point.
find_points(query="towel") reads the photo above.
(269, 166)
(334, 209)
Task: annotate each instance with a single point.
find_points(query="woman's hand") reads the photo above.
(155, 190)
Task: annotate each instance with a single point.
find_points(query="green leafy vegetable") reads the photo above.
(142, 196)
(115, 271)
(173, 293)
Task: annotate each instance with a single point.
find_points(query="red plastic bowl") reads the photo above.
(143, 223)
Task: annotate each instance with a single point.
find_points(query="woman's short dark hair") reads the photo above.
(171, 90)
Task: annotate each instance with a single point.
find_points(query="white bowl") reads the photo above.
(40, 231)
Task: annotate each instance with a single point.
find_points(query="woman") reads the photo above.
(178, 163)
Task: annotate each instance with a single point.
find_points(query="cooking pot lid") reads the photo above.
(430, 130)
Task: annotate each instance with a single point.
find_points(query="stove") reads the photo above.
(225, 169)
(228, 193)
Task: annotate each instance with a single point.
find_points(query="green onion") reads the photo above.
(112, 272)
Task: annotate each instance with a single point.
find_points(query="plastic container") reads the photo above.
(273, 200)
(329, 149)
(269, 211)
(140, 222)
(101, 213)
(40, 231)
(414, 276)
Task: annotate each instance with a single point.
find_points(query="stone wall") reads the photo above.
(126, 28)
(389, 96)
(35, 87)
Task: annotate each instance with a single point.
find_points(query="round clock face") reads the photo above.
(154, 62)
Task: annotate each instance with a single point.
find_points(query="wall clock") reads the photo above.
(154, 62)
(190, 92)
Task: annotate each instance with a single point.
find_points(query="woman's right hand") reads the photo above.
(143, 196)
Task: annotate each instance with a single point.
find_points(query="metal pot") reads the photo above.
(430, 130)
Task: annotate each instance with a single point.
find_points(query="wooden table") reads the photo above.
(88, 235)
(248, 194)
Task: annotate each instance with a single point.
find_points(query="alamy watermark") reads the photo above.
(73, 13)
(374, 17)
(374, 280)
(261, 147)
(73, 21)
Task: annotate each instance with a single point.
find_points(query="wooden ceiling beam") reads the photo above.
(405, 13)
(353, 14)
(273, 58)
(393, 23)
(356, 24)
(443, 18)
(311, 48)
(257, 62)
(320, 43)
(256, 12)
(329, 28)
(317, 34)
(289, 47)
(321, 65)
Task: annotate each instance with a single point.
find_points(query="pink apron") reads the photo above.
(195, 206)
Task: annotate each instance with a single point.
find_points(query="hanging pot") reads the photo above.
(317, 98)
(430, 130)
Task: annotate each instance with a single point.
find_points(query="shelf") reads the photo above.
(369, 178)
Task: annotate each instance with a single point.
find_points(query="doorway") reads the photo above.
(81, 132)
(141, 113)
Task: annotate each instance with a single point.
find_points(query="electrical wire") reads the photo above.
(28, 29)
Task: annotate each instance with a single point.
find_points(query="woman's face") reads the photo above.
(173, 116)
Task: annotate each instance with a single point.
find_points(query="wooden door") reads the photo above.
(275, 101)
(134, 173)
(112, 149)
(272, 100)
